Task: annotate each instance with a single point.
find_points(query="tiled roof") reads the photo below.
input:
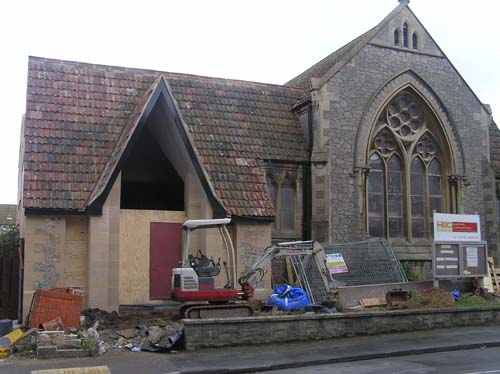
(319, 69)
(495, 148)
(331, 63)
(77, 112)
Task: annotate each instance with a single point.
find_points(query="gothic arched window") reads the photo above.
(405, 35)
(396, 37)
(414, 40)
(282, 187)
(406, 161)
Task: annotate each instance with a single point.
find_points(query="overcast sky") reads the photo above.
(260, 40)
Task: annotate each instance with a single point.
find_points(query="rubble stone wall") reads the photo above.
(346, 103)
(264, 330)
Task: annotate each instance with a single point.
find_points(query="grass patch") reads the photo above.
(473, 302)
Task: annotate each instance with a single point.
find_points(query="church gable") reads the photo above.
(404, 31)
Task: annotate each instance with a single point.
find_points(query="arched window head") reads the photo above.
(414, 39)
(282, 188)
(406, 158)
(287, 205)
(405, 35)
(396, 37)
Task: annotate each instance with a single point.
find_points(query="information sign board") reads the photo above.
(456, 227)
(336, 264)
(459, 259)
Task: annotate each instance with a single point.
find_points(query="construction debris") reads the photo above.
(62, 303)
(397, 297)
(373, 301)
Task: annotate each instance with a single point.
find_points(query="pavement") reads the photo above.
(251, 359)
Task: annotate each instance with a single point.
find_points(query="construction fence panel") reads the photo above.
(368, 262)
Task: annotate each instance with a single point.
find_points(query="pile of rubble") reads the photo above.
(137, 332)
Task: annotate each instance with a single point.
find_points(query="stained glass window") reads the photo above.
(405, 179)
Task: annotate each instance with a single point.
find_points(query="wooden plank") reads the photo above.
(134, 252)
(289, 271)
(491, 263)
(76, 252)
(373, 301)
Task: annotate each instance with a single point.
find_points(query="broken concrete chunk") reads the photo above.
(155, 333)
(128, 333)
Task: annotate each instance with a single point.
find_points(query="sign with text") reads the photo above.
(474, 259)
(336, 264)
(456, 227)
(446, 262)
(460, 259)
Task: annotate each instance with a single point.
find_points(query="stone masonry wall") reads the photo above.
(350, 93)
(250, 239)
(207, 333)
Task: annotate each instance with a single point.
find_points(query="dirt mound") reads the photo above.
(106, 320)
(433, 298)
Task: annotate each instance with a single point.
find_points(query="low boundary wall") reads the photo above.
(208, 333)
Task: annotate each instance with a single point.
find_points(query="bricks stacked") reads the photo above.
(65, 303)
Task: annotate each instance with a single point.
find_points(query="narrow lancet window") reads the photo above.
(405, 35)
(415, 40)
(396, 37)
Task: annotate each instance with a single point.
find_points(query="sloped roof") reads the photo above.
(495, 148)
(76, 114)
(333, 62)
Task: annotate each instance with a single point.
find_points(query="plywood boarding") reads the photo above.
(134, 252)
(44, 254)
(76, 252)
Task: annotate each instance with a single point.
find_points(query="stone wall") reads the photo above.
(250, 239)
(104, 253)
(348, 105)
(264, 330)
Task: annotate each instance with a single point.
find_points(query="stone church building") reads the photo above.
(365, 144)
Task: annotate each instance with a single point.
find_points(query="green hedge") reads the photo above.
(9, 237)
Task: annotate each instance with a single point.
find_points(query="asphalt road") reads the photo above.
(476, 361)
(429, 351)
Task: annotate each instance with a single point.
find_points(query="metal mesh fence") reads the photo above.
(368, 262)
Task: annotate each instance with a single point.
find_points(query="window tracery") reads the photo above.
(282, 187)
(406, 161)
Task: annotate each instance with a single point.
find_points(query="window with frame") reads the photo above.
(406, 159)
(396, 37)
(282, 188)
(405, 35)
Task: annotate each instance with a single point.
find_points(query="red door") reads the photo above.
(165, 246)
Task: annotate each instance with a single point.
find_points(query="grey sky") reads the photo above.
(261, 40)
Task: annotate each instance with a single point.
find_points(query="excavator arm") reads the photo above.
(254, 276)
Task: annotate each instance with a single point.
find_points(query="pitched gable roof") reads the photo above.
(337, 59)
(76, 114)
